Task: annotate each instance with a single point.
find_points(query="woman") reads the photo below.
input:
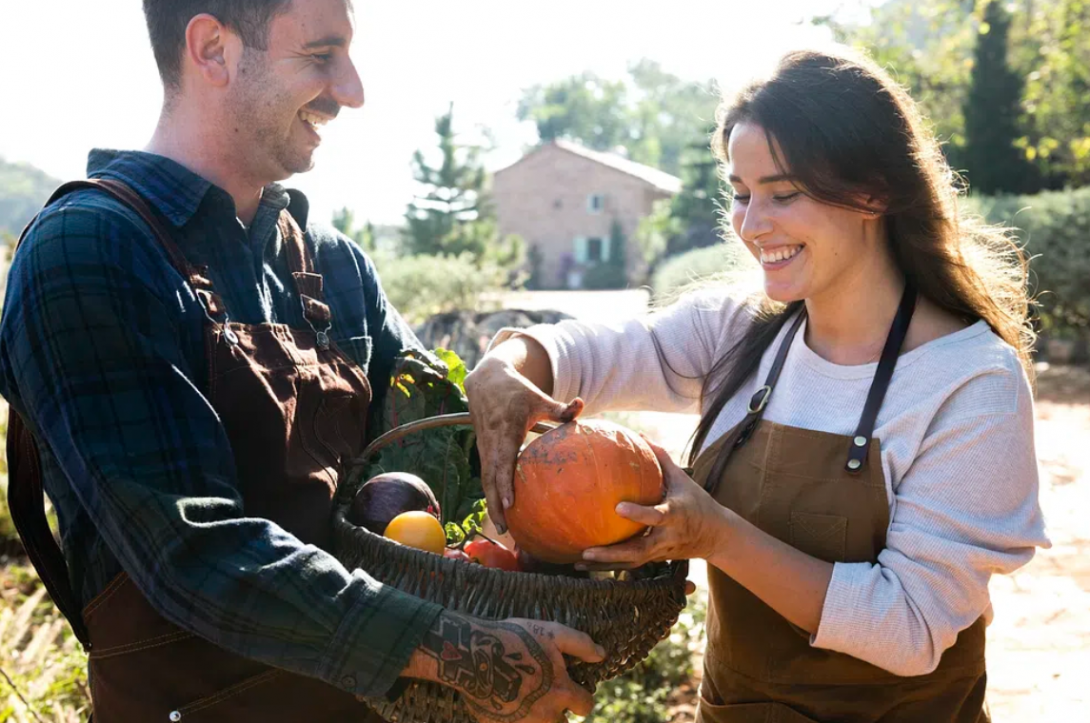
(864, 459)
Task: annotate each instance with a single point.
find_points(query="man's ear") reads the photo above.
(206, 49)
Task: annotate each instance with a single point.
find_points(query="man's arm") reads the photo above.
(91, 358)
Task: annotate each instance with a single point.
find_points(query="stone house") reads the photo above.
(563, 199)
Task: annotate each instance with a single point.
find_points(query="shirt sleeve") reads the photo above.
(966, 508)
(91, 358)
(657, 363)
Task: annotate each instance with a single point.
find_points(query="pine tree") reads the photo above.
(992, 110)
(454, 215)
(345, 222)
(695, 209)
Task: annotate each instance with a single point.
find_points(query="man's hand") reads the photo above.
(506, 671)
(504, 406)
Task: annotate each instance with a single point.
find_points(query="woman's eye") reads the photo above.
(786, 197)
(739, 198)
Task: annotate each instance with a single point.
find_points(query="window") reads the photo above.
(595, 203)
(592, 250)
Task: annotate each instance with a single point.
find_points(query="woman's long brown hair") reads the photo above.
(845, 131)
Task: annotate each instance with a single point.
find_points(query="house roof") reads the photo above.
(659, 179)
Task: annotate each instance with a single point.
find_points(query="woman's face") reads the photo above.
(805, 247)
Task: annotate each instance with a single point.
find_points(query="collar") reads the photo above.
(177, 192)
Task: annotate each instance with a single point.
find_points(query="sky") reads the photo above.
(79, 74)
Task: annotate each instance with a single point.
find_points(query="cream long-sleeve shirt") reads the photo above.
(956, 431)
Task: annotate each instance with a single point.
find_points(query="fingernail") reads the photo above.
(600, 650)
(506, 503)
(581, 567)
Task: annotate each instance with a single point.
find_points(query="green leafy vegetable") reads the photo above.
(457, 368)
(421, 387)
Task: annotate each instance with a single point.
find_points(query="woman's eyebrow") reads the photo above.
(764, 179)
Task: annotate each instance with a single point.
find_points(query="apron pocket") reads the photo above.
(749, 713)
(823, 536)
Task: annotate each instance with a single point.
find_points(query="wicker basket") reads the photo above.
(627, 617)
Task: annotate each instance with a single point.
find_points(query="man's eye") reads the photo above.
(322, 57)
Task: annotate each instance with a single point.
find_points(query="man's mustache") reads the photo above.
(324, 107)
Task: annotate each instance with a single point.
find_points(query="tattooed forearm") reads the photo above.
(500, 666)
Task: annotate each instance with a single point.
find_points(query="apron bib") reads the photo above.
(824, 494)
(294, 408)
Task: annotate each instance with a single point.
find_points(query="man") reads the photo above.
(195, 364)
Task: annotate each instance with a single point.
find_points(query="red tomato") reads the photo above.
(492, 554)
(455, 554)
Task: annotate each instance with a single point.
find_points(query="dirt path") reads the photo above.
(1039, 642)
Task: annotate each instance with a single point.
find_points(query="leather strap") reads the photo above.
(26, 496)
(757, 404)
(857, 453)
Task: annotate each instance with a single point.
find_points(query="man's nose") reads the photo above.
(348, 88)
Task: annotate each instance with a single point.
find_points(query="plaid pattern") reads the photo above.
(102, 353)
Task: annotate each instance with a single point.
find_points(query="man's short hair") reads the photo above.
(168, 20)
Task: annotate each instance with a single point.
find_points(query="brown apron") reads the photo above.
(824, 494)
(294, 408)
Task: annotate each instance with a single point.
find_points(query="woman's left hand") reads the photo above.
(687, 525)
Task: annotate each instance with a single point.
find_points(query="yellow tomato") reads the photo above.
(419, 530)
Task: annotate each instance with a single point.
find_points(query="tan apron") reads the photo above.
(294, 408)
(825, 495)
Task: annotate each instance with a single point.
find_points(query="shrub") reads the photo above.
(642, 694)
(1054, 228)
(423, 285)
(698, 266)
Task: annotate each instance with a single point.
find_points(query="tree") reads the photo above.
(584, 107)
(344, 221)
(697, 208)
(929, 47)
(455, 215)
(23, 190)
(1053, 54)
(992, 109)
(652, 114)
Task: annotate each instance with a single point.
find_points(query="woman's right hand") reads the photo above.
(504, 406)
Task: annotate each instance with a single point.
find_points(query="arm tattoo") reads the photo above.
(473, 658)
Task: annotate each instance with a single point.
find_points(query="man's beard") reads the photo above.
(258, 112)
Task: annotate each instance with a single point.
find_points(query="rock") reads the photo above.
(467, 333)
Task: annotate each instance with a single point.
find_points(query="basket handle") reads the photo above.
(442, 420)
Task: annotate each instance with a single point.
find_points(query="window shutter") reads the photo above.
(580, 250)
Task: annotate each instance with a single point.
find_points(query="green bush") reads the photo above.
(423, 285)
(1054, 228)
(696, 266)
(642, 694)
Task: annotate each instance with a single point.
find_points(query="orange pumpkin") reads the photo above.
(568, 483)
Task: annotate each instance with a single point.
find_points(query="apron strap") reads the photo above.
(757, 404)
(27, 502)
(857, 453)
(26, 495)
(308, 283)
